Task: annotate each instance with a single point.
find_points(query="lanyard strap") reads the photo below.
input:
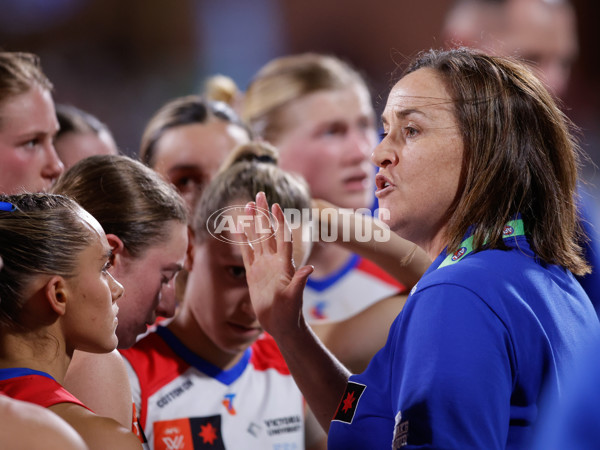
(513, 228)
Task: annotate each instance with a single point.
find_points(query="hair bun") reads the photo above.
(221, 88)
(255, 151)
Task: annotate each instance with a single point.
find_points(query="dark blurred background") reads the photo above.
(122, 59)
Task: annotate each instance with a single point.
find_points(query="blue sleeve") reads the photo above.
(452, 371)
(573, 420)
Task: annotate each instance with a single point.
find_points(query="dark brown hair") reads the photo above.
(75, 120)
(43, 235)
(129, 199)
(191, 109)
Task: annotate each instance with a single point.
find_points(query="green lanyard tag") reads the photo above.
(511, 229)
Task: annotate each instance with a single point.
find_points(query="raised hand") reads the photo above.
(276, 292)
(274, 283)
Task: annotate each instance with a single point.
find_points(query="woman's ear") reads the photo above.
(117, 249)
(189, 254)
(56, 293)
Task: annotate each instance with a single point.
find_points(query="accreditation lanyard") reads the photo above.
(513, 228)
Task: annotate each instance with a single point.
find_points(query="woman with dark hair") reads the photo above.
(145, 221)
(478, 167)
(28, 426)
(56, 297)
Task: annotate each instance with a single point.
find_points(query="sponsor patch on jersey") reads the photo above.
(175, 393)
(283, 425)
(459, 253)
(228, 403)
(196, 433)
(349, 402)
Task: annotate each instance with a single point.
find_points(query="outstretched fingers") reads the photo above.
(285, 248)
(265, 228)
(260, 230)
(283, 233)
(249, 232)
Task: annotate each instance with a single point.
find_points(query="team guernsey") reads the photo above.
(34, 386)
(355, 287)
(184, 402)
(480, 337)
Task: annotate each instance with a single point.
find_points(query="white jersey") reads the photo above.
(355, 287)
(184, 402)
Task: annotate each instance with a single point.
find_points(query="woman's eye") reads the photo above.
(382, 135)
(107, 266)
(410, 131)
(187, 181)
(186, 184)
(32, 143)
(237, 271)
(335, 129)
